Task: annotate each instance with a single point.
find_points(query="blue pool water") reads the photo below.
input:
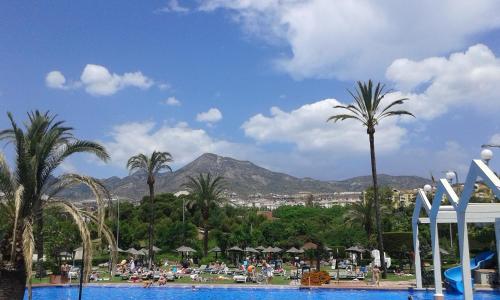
(209, 293)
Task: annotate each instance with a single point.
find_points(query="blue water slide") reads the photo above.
(453, 276)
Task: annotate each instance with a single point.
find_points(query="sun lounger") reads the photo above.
(201, 269)
(240, 278)
(281, 272)
(170, 276)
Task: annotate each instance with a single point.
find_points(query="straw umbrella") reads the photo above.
(132, 251)
(251, 250)
(260, 248)
(356, 249)
(235, 250)
(216, 250)
(314, 248)
(185, 249)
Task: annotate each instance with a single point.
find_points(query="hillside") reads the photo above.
(244, 178)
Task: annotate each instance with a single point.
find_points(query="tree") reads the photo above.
(152, 166)
(47, 143)
(362, 213)
(205, 191)
(367, 109)
(30, 189)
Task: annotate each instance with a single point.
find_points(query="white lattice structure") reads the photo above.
(459, 210)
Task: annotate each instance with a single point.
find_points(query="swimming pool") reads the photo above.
(217, 293)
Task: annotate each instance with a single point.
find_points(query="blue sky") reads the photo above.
(256, 79)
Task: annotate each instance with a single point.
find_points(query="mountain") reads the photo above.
(242, 177)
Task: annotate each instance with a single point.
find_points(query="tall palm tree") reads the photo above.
(152, 166)
(205, 191)
(39, 149)
(367, 109)
(45, 143)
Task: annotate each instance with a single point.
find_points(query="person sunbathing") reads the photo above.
(135, 278)
(162, 280)
(148, 283)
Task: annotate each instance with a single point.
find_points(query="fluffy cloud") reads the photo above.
(307, 129)
(97, 80)
(183, 142)
(437, 84)
(171, 101)
(55, 80)
(211, 116)
(173, 6)
(356, 39)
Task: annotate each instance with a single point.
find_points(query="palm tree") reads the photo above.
(39, 149)
(362, 213)
(47, 143)
(205, 191)
(152, 166)
(368, 111)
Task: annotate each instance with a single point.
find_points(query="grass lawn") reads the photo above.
(228, 279)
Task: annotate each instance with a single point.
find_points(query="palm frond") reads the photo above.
(17, 211)
(366, 107)
(78, 217)
(342, 117)
(108, 235)
(395, 113)
(139, 162)
(7, 180)
(98, 189)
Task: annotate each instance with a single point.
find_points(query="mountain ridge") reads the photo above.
(242, 177)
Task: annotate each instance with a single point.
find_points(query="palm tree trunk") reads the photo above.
(12, 276)
(377, 204)
(39, 239)
(205, 234)
(151, 222)
(12, 283)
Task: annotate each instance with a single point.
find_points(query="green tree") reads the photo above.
(39, 149)
(152, 166)
(362, 213)
(367, 109)
(205, 193)
(47, 143)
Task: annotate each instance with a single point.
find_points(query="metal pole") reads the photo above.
(183, 220)
(81, 273)
(118, 226)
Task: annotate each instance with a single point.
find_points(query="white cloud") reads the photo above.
(452, 158)
(183, 142)
(172, 101)
(173, 6)
(307, 129)
(495, 139)
(164, 86)
(437, 84)
(211, 116)
(67, 167)
(55, 80)
(98, 81)
(360, 38)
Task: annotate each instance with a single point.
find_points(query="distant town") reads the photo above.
(271, 201)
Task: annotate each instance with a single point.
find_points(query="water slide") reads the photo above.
(453, 276)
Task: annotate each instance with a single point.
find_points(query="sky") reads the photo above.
(257, 79)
